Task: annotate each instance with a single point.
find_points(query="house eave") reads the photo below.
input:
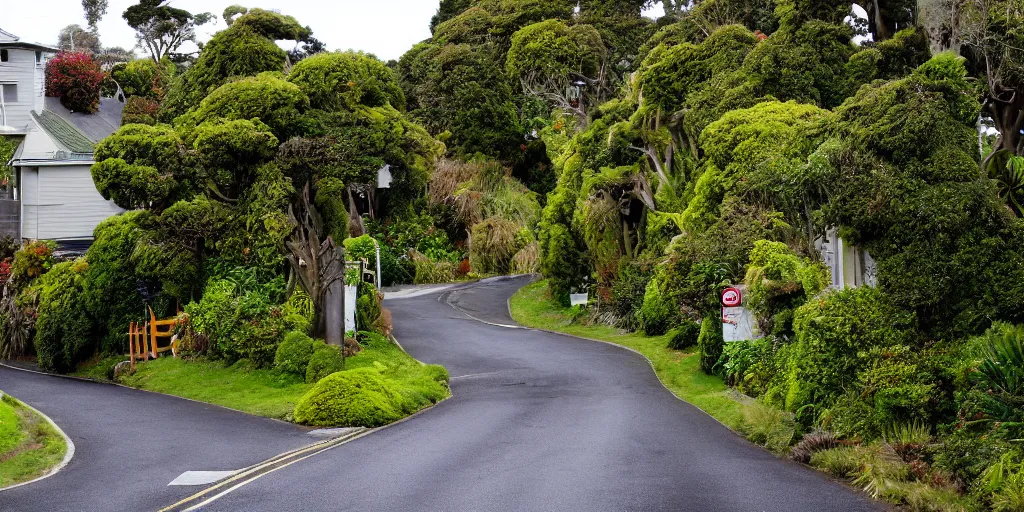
(29, 46)
(46, 162)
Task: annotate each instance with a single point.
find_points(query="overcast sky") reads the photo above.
(384, 28)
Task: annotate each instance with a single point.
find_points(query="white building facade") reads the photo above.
(57, 199)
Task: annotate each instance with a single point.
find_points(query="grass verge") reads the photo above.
(533, 306)
(29, 445)
(263, 392)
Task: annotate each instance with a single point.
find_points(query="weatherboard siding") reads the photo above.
(61, 203)
(21, 70)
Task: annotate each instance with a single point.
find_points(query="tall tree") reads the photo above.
(76, 38)
(992, 36)
(162, 29)
(94, 12)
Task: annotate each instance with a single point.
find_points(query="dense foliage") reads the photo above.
(650, 164)
(75, 78)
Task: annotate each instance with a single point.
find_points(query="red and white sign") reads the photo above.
(731, 297)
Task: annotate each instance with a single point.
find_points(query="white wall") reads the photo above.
(21, 70)
(61, 203)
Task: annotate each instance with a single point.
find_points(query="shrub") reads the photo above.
(768, 427)
(835, 338)
(140, 110)
(492, 245)
(778, 280)
(326, 359)
(685, 336)
(527, 260)
(111, 284)
(76, 79)
(429, 271)
(627, 294)
(298, 312)
(240, 319)
(64, 331)
(812, 443)
(1011, 496)
(710, 343)
(143, 78)
(843, 462)
(294, 353)
(32, 261)
(1001, 376)
(353, 398)
(657, 313)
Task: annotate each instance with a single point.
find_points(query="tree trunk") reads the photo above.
(936, 17)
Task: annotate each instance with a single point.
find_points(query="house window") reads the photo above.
(10, 92)
(4, 56)
(39, 57)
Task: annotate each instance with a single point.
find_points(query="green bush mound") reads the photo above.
(294, 353)
(684, 336)
(710, 343)
(353, 398)
(326, 359)
(379, 385)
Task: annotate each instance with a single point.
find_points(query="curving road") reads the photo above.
(538, 422)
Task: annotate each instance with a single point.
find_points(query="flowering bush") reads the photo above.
(32, 261)
(75, 78)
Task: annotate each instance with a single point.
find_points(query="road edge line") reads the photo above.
(69, 453)
(256, 476)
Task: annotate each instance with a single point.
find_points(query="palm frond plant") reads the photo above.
(1007, 172)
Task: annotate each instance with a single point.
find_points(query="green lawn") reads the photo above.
(263, 392)
(29, 445)
(532, 306)
(256, 391)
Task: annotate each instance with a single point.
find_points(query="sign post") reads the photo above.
(738, 323)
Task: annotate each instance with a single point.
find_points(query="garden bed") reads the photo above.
(275, 393)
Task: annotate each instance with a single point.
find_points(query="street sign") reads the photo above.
(731, 297)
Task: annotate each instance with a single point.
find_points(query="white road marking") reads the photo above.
(201, 477)
(331, 433)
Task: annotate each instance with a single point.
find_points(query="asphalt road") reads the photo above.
(539, 422)
(130, 444)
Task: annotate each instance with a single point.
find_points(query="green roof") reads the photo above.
(64, 133)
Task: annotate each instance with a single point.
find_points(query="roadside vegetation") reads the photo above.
(29, 446)
(290, 389)
(646, 163)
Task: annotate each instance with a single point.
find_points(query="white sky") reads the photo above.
(386, 28)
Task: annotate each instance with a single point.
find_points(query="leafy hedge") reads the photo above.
(65, 333)
(353, 398)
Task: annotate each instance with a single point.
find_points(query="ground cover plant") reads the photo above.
(29, 445)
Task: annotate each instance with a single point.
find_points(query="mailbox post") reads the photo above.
(738, 323)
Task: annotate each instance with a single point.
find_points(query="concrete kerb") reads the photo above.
(69, 453)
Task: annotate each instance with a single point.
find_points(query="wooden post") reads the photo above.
(152, 335)
(131, 344)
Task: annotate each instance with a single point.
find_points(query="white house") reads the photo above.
(53, 185)
(851, 266)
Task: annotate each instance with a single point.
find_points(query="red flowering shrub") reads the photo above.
(5, 269)
(75, 78)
